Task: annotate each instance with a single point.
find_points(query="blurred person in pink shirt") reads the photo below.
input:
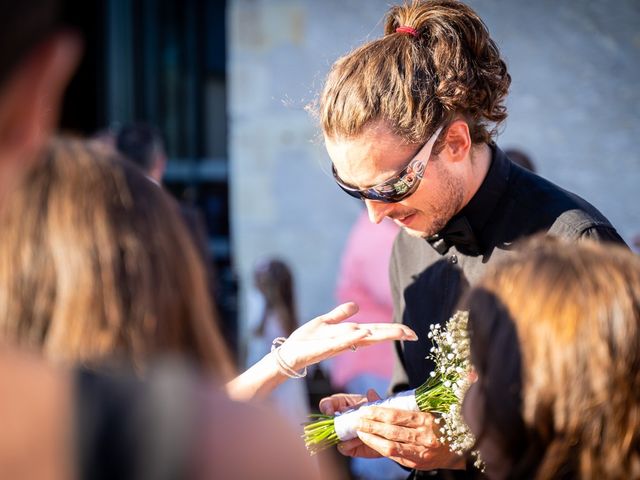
(364, 279)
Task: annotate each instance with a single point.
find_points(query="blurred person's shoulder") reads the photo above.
(177, 420)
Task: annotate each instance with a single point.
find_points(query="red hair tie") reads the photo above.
(410, 30)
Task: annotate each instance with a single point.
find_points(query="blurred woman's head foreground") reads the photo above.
(95, 263)
(555, 339)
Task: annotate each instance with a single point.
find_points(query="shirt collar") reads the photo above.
(467, 227)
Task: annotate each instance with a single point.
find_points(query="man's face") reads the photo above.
(377, 155)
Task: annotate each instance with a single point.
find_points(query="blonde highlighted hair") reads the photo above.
(576, 311)
(95, 262)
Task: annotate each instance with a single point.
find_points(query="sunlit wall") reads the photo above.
(573, 107)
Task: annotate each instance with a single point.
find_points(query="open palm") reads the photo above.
(329, 334)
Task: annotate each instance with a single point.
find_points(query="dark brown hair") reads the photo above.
(415, 84)
(274, 280)
(576, 311)
(95, 262)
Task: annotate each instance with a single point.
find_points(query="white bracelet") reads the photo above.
(284, 368)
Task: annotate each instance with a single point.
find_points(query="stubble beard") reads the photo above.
(440, 214)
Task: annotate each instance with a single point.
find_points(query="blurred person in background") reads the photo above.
(277, 317)
(409, 121)
(364, 279)
(555, 341)
(142, 144)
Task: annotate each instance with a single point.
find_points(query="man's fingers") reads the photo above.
(393, 416)
(393, 450)
(355, 448)
(393, 432)
(340, 402)
(349, 447)
(372, 395)
(331, 405)
(326, 406)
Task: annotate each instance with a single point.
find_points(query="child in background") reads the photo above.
(277, 318)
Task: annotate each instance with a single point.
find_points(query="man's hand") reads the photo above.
(409, 438)
(341, 402)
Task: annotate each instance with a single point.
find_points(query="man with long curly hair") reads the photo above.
(408, 121)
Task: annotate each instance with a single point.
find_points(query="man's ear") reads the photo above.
(458, 140)
(31, 96)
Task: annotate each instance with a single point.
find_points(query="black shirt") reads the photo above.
(127, 428)
(428, 276)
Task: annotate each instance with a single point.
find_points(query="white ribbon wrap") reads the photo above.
(345, 423)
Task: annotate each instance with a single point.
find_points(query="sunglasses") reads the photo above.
(398, 187)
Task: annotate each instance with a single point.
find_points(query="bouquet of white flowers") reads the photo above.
(440, 395)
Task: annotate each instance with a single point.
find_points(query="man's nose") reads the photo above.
(377, 210)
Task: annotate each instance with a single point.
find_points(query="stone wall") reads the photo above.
(574, 106)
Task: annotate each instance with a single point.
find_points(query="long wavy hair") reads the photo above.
(568, 318)
(414, 84)
(274, 281)
(95, 263)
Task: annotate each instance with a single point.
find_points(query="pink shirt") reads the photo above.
(364, 279)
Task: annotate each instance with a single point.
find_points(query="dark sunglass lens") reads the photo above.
(351, 193)
(392, 193)
(370, 195)
(380, 197)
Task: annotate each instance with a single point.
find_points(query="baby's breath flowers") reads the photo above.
(440, 395)
(451, 354)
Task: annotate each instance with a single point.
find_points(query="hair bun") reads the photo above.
(414, 87)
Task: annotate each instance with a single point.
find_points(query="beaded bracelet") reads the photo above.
(284, 368)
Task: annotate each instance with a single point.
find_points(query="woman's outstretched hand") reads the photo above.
(316, 340)
(329, 334)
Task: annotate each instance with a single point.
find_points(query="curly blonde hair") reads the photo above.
(416, 83)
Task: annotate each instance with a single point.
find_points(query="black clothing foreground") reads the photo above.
(429, 276)
(130, 429)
